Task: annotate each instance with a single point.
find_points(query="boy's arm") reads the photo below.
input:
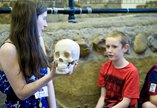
(123, 104)
(153, 99)
(100, 102)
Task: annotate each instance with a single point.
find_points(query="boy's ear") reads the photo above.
(126, 48)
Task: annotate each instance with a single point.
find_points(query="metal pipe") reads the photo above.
(4, 10)
(99, 11)
(72, 11)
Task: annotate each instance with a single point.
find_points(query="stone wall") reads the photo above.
(80, 90)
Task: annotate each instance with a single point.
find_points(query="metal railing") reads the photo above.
(72, 10)
(114, 1)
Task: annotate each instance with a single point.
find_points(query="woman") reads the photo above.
(24, 76)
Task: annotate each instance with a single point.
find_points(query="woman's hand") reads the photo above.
(53, 72)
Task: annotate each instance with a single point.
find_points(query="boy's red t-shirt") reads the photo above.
(119, 83)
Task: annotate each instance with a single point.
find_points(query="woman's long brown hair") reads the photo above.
(24, 35)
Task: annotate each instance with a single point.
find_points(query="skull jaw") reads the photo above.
(64, 70)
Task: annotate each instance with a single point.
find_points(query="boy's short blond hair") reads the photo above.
(124, 37)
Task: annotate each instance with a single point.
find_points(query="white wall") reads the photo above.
(133, 3)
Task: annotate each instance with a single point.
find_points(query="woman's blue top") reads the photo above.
(12, 100)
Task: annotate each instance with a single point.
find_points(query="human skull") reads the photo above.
(66, 55)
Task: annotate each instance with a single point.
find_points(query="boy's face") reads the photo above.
(114, 48)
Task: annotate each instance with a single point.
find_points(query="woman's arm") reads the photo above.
(51, 91)
(51, 98)
(100, 102)
(9, 63)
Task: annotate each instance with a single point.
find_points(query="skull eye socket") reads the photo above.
(57, 54)
(67, 54)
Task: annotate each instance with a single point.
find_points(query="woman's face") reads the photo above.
(42, 23)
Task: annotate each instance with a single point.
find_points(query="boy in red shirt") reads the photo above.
(118, 78)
